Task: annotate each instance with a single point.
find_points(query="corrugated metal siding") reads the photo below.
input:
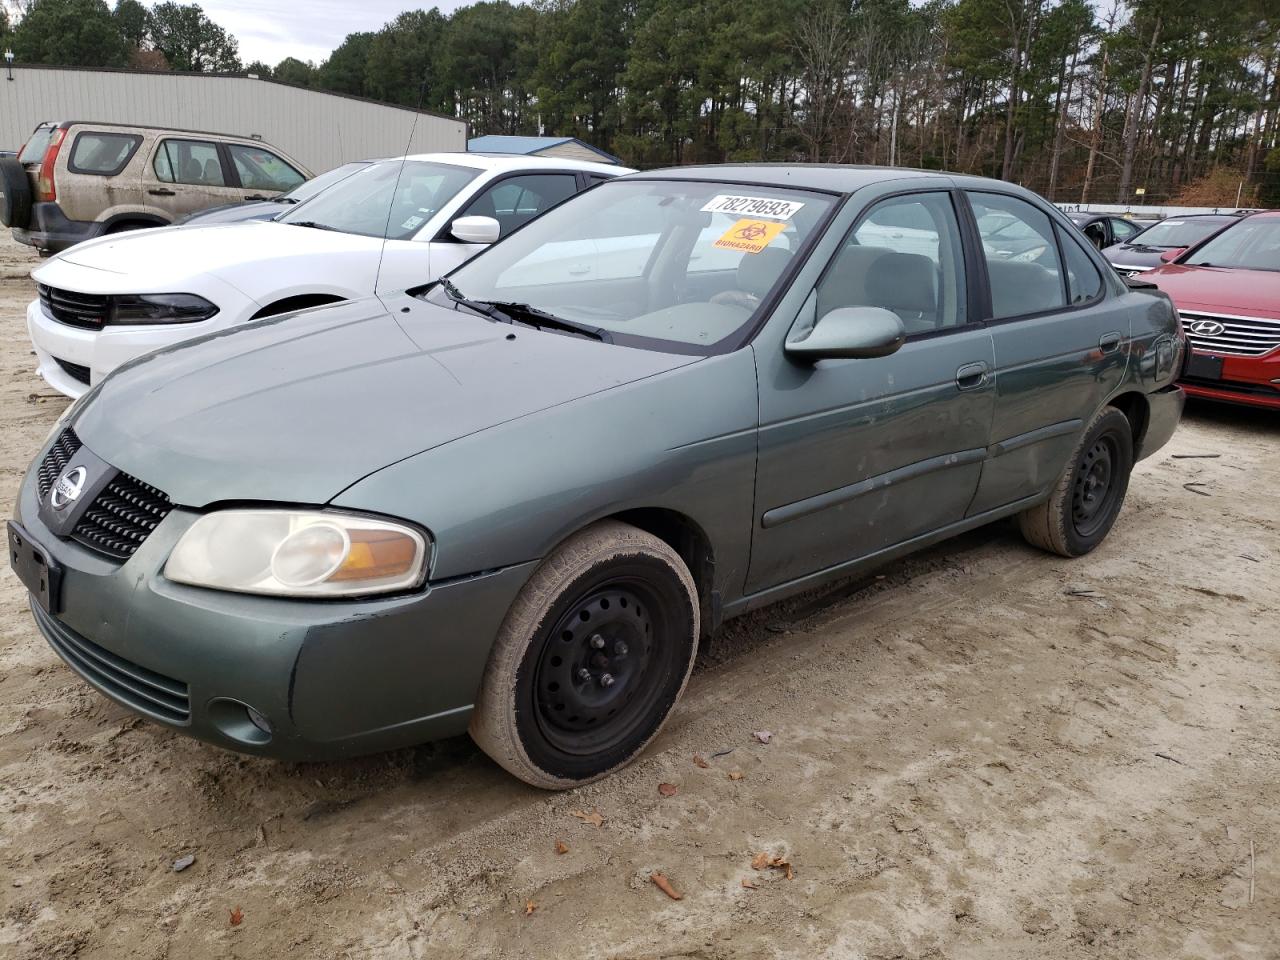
(320, 130)
(571, 151)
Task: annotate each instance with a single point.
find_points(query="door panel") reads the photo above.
(1052, 370)
(859, 455)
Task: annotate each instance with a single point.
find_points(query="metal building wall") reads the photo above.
(321, 130)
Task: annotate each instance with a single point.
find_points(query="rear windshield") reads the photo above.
(33, 150)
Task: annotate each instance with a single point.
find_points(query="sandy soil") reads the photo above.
(966, 761)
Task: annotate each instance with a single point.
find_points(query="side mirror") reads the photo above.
(476, 229)
(1169, 256)
(851, 333)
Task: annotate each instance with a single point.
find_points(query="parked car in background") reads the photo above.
(512, 501)
(73, 180)
(1227, 289)
(1157, 244)
(394, 224)
(1105, 229)
(247, 210)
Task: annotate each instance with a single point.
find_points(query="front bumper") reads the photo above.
(1252, 381)
(71, 359)
(327, 679)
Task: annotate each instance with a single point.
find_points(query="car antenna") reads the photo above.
(391, 203)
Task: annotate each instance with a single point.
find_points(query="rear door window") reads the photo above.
(1084, 282)
(189, 161)
(1022, 263)
(261, 169)
(102, 154)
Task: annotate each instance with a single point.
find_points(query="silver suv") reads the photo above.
(75, 180)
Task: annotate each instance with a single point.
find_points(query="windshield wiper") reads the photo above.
(479, 306)
(310, 223)
(532, 316)
(284, 200)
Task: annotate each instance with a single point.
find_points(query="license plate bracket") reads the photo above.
(1203, 367)
(39, 572)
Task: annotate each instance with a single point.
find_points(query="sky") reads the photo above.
(270, 30)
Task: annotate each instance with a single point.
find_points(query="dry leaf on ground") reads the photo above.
(236, 916)
(594, 818)
(763, 736)
(748, 885)
(662, 883)
(700, 761)
(736, 775)
(529, 907)
(561, 847)
(668, 789)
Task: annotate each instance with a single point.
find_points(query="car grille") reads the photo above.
(1240, 336)
(56, 460)
(122, 517)
(73, 370)
(136, 687)
(87, 310)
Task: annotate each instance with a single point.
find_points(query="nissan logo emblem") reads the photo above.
(1206, 328)
(66, 489)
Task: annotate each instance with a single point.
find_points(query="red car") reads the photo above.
(1227, 290)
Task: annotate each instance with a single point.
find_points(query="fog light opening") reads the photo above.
(240, 722)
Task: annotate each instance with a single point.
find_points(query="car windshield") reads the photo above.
(674, 265)
(309, 188)
(1177, 233)
(1251, 244)
(390, 199)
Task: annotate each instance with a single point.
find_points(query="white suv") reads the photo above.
(396, 224)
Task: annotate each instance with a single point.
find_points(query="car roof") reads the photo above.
(501, 162)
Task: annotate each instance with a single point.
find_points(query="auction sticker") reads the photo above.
(749, 236)
(759, 207)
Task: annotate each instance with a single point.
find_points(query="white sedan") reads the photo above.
(395, 225)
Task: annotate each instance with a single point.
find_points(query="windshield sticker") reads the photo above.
(749, 236)
(760, 207)
(412, 222)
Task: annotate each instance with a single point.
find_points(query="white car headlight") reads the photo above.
(299, 553)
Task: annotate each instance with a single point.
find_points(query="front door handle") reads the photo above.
(1110, 342)
(971, 376)
(162, 193)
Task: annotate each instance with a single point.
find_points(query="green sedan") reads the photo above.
(512, 501)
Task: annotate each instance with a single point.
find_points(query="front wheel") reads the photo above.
(590, 660)
(1089, 493)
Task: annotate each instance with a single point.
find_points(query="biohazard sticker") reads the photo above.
(762, 208)
(749, 236)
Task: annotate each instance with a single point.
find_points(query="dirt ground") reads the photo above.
(967, 761)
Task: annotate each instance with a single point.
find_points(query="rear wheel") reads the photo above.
(1090, 492)
(591, 659)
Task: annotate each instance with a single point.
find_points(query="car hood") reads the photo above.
(297, 408)
(154, 260)
(236, 212)
(1244, 292)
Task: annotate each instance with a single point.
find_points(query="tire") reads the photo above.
(1088, 496)
(538, 714)
(15, 194)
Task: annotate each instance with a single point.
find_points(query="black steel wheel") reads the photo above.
(1085, 501)
(591, 659)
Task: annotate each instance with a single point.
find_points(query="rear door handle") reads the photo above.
(1110, 342)
(971, 376)
(162, 193)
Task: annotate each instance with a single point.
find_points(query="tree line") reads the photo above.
(1139, 101)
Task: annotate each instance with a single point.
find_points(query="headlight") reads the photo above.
(160, 308)
(297, 553)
